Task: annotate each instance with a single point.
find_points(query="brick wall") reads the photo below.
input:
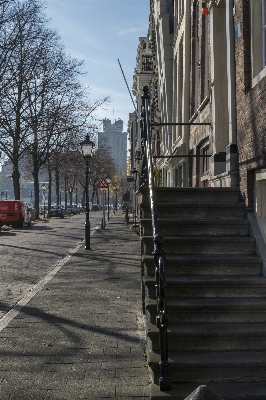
(250, 107)
(200, 134)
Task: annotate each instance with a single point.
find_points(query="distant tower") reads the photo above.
(114, 136)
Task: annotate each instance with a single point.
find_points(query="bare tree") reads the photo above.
(20, 27)
(43, 105)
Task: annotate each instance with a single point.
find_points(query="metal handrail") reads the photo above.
(158, 253)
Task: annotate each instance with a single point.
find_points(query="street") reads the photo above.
(28, 255)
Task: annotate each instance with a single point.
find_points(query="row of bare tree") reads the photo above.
(45, 111)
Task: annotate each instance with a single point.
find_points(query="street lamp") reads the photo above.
(108, 180)
(135, 175)
(43, 194)
(87, 150)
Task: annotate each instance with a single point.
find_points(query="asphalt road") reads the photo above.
(28, 255)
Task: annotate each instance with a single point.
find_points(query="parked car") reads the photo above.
(57, 211)
(15, 213)
(72, 210)
(77, 207)
(95, 207)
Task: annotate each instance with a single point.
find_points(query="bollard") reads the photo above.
(103, 227)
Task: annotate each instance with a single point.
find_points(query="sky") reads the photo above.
(100, 32)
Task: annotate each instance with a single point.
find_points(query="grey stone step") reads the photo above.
(196, 210)
(211, 337)
(174, 226)
(206, 265)
(214, 310)
(204, 195)
(226, 390)
(210, 286)
(212, 366)
(203, 245)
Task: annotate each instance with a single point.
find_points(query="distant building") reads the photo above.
(114, 136)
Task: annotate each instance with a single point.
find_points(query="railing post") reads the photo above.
(158, 253)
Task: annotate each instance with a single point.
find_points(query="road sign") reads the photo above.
(103, 184)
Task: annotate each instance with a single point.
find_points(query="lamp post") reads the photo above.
(43, 194)
(115, 190)
(87, 150)
(108, 180)
(135, 175)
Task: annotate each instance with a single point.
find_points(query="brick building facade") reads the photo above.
(209, 67)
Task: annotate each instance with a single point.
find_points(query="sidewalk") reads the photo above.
(81, 335)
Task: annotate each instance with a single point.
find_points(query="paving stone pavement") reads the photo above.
(28, 255)
(81, 336)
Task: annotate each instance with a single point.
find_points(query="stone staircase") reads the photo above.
(216, 294)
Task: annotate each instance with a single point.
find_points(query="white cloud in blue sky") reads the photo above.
(100, 32)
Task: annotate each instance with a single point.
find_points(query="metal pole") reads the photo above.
(108, 219)
(65, 193)
(135, 201)
(87, 221)
(43, 204)
(116, 200)
(104, 203)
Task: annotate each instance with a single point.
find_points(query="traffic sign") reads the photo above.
(103, 184)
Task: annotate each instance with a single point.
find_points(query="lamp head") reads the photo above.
(87, 147)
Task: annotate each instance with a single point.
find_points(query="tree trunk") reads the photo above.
(15, 177)
(49, 191)
(57, 184)
(36, 194)
(65, 192)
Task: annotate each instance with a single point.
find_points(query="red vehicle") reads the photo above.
(14, 212)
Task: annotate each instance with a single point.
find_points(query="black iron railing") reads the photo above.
(158, 253)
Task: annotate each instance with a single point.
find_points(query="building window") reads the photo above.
(205, 58)
(180, 88)
(205, 159)
(179, 176)
(195, 57)
(258, 39)
(147, 63)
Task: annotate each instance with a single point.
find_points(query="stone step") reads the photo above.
(212, 366)
(206, 265)
(214, 310)
(226, 390)
(202, 245)
(196, 210)
(211, 337)
(206, 227)
(210, 286)
(190, 195)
